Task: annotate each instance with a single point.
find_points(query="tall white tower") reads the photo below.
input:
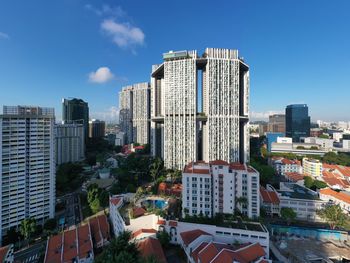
(27, 165)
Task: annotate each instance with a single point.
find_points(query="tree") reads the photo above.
(50, 224)
(120, 250)
(156, 168)
(91, 160)
(164, 238)
(308, 182)
(28, 227)
(12, 236)
(288, 214)
(324, 136)
(333, 215)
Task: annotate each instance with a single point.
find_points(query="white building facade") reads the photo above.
(220, 187)
(27, 165)
(69, 143)
(134, 113)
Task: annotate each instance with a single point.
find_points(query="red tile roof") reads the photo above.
(115, 200)
(70, 249)
(270, 197)
(100, 228)
(237, 166)
(138, 211)
(189, 236)
(219, 162)
(152, 247)
(251, 252)
(337, 195)
(294, 177)
(54, 249)
(85, 242)
(3, 253)
(195, 252)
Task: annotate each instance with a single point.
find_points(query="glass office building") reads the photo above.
(297, 121)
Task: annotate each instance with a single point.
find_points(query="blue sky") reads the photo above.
(298, 50)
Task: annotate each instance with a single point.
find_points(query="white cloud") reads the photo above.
(106, 10)
(264, 115)
(123, 34)
(101, 75)
(4, 35)
(110, 115)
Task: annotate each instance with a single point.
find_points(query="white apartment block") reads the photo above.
(69, 143)
(134, 115)
(283, 166)
(182, 131)
(220, 187)
(312, 167)
(27, 165)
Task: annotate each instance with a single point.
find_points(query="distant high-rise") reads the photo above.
(97, 128)
(200, 107)
(27, 165)
(297, 121)
(70, 143)
(134, 115)
(277, 123)
(76, 110)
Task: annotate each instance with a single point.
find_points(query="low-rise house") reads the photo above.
(284, 165)
(74, 245)
(302, 200)
(100, 231)
(151, 247)
(340, 198)
(6, 254)
(270, 201)
(201, 247)
(294, 178)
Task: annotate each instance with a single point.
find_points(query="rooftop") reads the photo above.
(152, 247)
(338, 195)
(298, 192)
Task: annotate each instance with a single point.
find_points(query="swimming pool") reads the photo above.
(158, 203)
(316, 233)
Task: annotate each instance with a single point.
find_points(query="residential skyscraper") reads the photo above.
(297, 121)
(70, 143)
(76, 110)
(200, 107)
(125, 113)
(27, 165)
(97, 128)
(134, 115)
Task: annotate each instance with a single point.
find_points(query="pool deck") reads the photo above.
(304, 250)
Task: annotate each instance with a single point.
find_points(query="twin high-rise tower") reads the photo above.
(199, 107)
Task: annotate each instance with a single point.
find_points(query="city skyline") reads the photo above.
(45, 62)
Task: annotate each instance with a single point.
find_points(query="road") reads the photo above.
(72, 213)
(31, 254)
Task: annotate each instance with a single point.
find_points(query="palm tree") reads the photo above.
(241, 201)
